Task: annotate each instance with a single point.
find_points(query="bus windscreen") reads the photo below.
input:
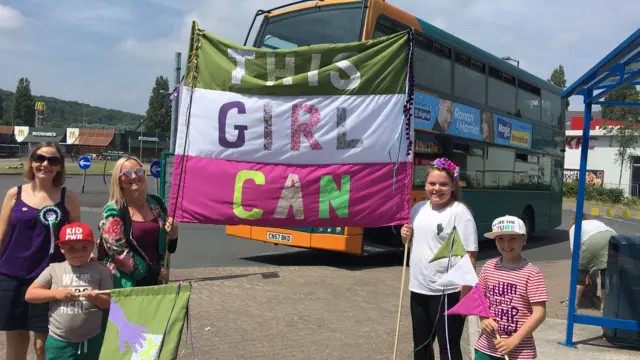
(318, 25)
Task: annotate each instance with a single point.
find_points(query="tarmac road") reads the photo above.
(209, 246)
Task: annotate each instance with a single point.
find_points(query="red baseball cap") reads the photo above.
(75, 232)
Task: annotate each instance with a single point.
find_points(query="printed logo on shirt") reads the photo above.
(78, 283)
(501, 301)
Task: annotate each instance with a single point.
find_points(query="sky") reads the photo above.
(108, 52)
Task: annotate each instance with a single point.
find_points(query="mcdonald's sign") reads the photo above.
(21, 132)
(72, 135)
(41, 106)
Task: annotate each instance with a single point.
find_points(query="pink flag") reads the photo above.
(473, 304)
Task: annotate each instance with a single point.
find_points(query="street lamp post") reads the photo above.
(509, 58)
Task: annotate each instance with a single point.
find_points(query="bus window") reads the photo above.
(431, 60)
(527, 169)
(551, 108)
(498, 167)
(502, 91)
(318, 25)
(431, 71)
(470, 79)
(528, 100)
(470, 159)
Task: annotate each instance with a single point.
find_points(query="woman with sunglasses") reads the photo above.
(135, 230)
(31, 216)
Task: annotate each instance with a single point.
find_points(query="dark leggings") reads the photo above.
(424, 312)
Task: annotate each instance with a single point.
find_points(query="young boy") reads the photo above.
(517, 295)
(75, 310)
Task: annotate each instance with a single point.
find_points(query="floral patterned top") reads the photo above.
(127, 266)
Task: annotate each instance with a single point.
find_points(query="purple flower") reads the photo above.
(444, 163)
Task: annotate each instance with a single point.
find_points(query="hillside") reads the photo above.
(63, 113)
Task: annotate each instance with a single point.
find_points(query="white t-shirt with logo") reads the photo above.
(430, 229)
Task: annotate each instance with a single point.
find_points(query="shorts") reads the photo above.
(479, 355)
(16, 313)
(56, 349)
(594, 253)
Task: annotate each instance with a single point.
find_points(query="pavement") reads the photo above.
(325, 312)
(608, 211)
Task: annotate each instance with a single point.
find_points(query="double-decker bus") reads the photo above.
(503, 126)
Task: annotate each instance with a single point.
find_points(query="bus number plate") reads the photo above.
(279, 237)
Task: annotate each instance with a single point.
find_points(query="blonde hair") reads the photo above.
(585, 216)
(59, 177)
(116, 195)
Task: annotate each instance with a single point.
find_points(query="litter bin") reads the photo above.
(622, 297)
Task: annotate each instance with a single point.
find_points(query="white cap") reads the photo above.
(506, 225)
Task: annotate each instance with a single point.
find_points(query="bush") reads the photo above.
(570, 190)
(612, 196)
(596, 193)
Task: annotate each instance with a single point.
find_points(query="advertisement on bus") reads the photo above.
(448, 117)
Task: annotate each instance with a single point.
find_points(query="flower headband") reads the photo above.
(444, 163)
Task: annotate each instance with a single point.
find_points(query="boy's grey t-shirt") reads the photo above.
(76, 320)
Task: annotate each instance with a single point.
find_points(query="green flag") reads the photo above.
(145, 323)
(447, 250)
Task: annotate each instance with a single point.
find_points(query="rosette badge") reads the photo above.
(51, 215)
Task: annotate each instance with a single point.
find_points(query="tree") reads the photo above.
(626, 135)
(1, 109)
(159, 113)
(622, 113)
(23, 110)
(557, 78)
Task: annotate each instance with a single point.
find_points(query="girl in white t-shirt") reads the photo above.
(431, 222)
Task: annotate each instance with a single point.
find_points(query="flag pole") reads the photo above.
(404, 271)
(498, 338)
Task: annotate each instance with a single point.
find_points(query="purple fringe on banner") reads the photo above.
(408, 106)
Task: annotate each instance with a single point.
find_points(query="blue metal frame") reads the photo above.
(621, 63)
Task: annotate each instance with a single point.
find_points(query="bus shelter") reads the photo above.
(621, 67)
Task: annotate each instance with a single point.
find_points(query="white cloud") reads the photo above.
(228, 19)
(103, 16)
(138, 46)
(10, 18)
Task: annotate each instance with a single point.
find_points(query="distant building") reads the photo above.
(601, 164)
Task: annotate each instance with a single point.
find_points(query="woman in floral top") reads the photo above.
(135, 230)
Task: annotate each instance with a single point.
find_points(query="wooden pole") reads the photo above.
(404, 271)
(498, 338)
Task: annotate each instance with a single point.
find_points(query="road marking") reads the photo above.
(620, 220)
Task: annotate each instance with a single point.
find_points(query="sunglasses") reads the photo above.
(51, 160)
(129, 173)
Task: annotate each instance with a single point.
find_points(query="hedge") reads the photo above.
(596, 193)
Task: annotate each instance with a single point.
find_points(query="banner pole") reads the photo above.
(404, 271)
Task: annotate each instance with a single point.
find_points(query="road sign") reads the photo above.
(156, 168)
(84, 162)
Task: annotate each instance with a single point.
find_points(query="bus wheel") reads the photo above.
(529, 219)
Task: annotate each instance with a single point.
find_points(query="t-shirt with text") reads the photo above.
(510, 291)
(430, 230)
(76, 320)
